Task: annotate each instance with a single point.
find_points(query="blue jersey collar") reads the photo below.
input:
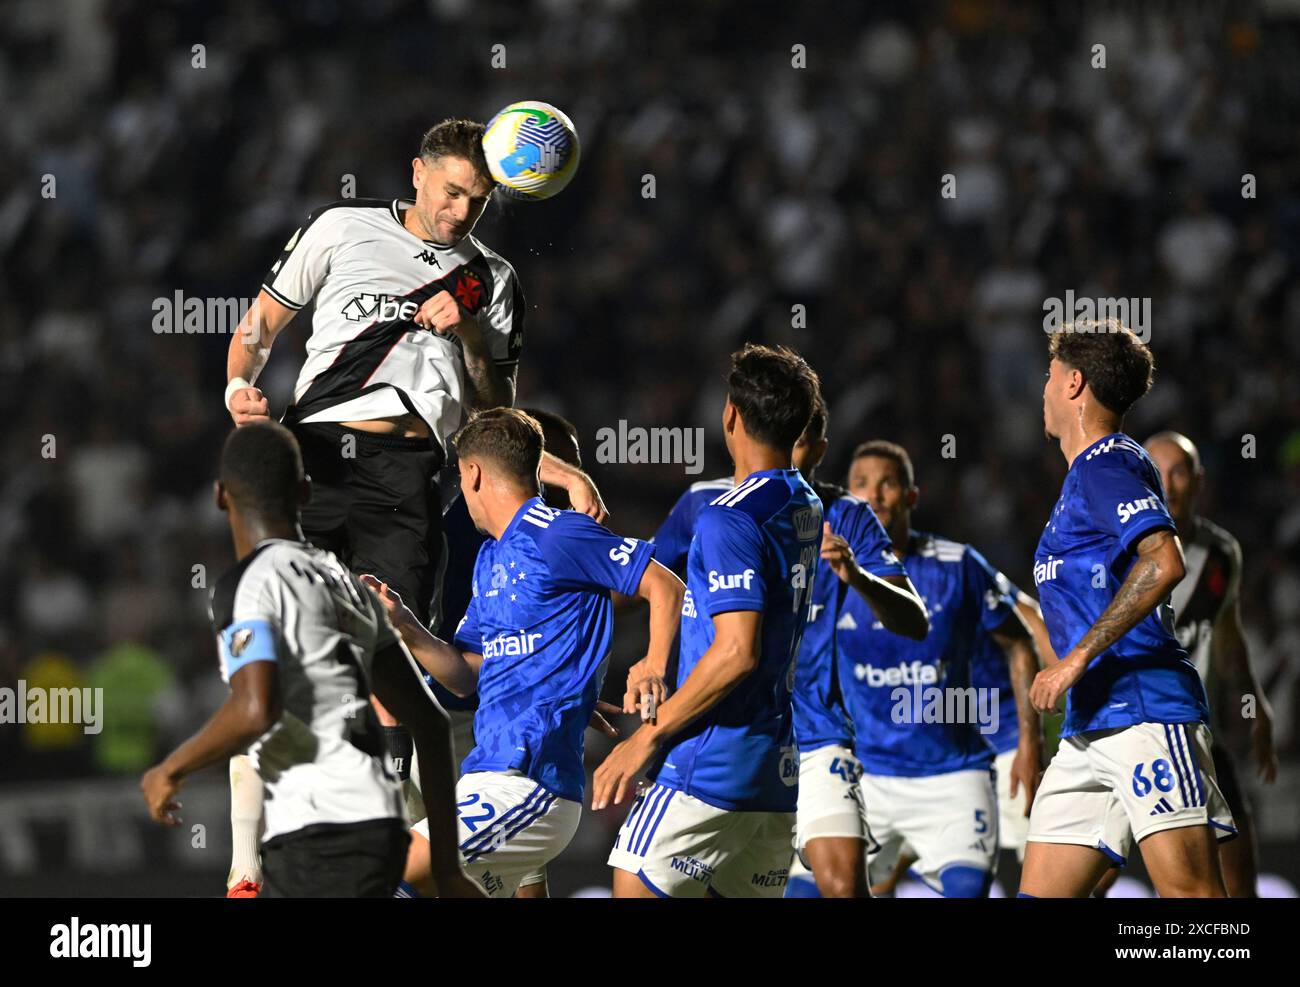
(519, 514)
(1083, 453)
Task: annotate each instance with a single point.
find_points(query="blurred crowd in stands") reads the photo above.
(798, 197)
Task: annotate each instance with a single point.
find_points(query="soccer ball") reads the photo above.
(532, 150)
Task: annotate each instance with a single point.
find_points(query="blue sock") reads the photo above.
(405, 890)
(962, 881)
(1021, 894)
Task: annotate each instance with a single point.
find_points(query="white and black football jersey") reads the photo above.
(324, 761)
(369, 275)
(1213, 560)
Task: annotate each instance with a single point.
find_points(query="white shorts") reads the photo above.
(1107, 789)
(510, 828)
(948, 819)
(1013, 824)
(830, 801)
(682, 847)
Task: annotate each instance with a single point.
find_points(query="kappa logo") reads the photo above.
(428, 256)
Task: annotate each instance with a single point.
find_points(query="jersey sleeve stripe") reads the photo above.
(270, 290)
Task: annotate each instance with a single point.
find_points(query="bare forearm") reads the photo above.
(230, 731)
(555, 472)
(443, 661)
(1147, 584)
(250, 347)
(1022, 664)
(489, 385)
(898, 608)
(664, 592)
(718, 672)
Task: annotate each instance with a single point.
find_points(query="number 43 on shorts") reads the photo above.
(1162, 778)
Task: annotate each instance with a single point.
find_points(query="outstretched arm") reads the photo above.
(893, 599)
(732, 656)
(455, 670)
(583, 494)
(646, 686)
(1158, 569)
(248, 712)
(1232, 660)
(250, 348)
(1017, 643)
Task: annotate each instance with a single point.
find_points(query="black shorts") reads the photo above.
(377, 509)
(350, 860)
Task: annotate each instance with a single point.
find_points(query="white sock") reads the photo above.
(245, 821)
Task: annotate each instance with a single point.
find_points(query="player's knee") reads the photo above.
(962, 881)
(838, 882)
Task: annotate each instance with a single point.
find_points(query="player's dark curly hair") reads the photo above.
(509, 438)
(1116, 364)
(774, 390)
(261, 469)
(462, 138)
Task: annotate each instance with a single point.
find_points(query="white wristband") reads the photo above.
(238, 384)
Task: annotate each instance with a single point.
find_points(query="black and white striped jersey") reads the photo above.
(324, 761)
(369, 275)
(1213, 580)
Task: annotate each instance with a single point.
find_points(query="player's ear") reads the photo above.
(729, 414)
(820, 454)
(219, 494)
(417, 172)
(913, 495)
(1075, 382)
(304, 491)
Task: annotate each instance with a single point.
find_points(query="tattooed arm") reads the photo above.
(490, 386)
(249, 349)
(1158, 569)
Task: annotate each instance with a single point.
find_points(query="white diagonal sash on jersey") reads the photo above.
(1195, 554)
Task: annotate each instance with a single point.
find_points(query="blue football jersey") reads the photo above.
(673, 539)
(541, 617)
(755, 548)
(1111, 498)
(890, 683)
(819, 716)
(989, 670)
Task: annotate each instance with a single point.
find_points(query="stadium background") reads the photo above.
(775, 186)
